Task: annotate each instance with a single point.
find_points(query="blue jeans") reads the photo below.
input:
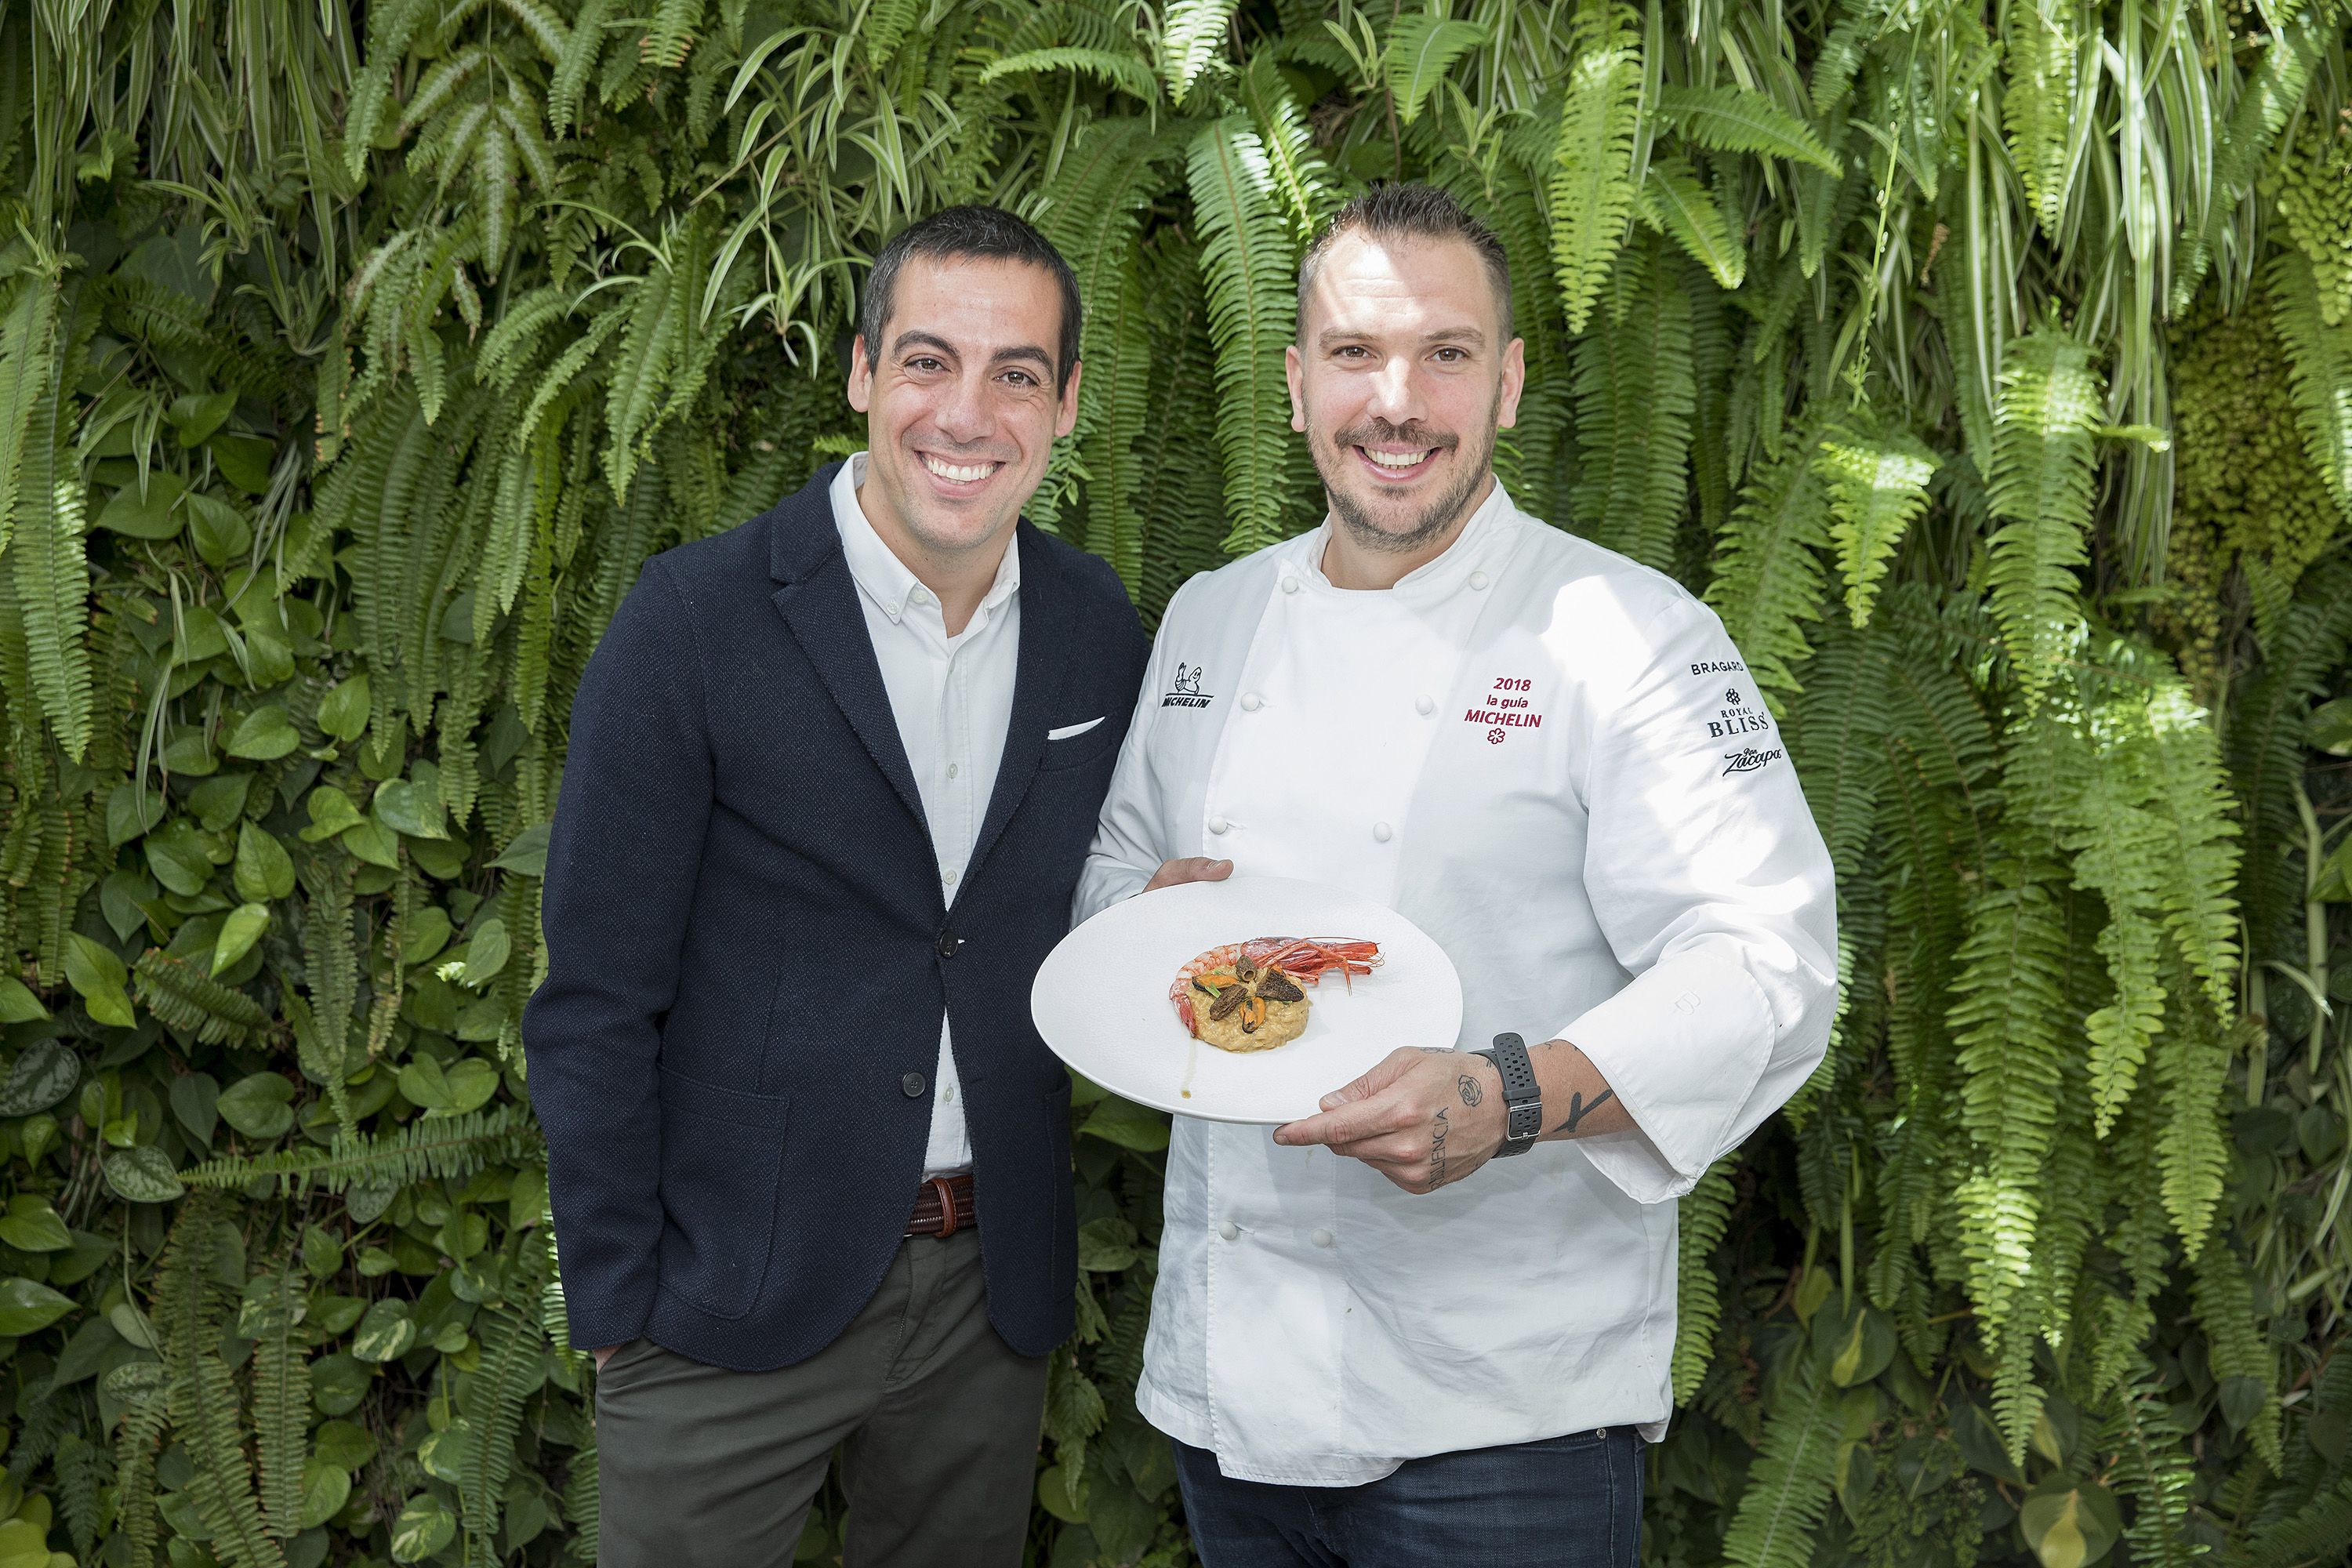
(1564, 1502)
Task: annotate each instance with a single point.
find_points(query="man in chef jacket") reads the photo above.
(1434, 1322)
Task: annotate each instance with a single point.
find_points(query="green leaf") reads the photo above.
(486, 952)
(2329, 728)
(149, 514)
(219, 531)
(384, 1334)
(239, 933)
(244, 461)
(526, 853)
(44, 1074)
(1127, 1124)
(343, 711)
(411, 809)
(373, 843)
(259, 1105)
(1107, 1244)
(17, 1003)
(176, 856)
(1680, 206)
(143, 1175)
(196, 415)
(325, 1489)
(263, 870)
(1591, 182)
(1129, 73)
(2070, 1526)
(98, 976)
(424, 1526)
(28, 1306)
(264, 735)
(32, 1225)
(332, 812)
(1739, 119)
(1422, 48)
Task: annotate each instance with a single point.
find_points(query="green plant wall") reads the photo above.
(1988, 368)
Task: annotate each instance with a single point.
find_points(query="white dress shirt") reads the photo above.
(1552, 760)
(953, 697)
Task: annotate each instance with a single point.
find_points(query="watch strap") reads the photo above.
(1522, 1097)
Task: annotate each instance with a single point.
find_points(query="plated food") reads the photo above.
(1250, 995)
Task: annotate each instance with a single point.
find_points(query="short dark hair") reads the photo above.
(1409, 211)
(984, 232)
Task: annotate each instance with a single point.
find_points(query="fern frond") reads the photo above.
(2318, 1532)
(2008, 1020)
(281, 1407)
(447, 1148)
(2042, 107)
(203, 1392)
(2191, 1060)
(2236, 1347)
(187, 998)
(506, 1377)
(26, 348)
(1129, 73)
(45, 552)
(568, 84)
(1703, 1214)
(1676, 202)
(1788, 1484)
(1191, 38)
(2319, 358)
(1590, 188)
(1739, 119)
(1877, 487)
(2154, 1470)
(1635, 399)
(2264, 104)
(1249, 274)
(1421, 48)
(2040, 492)
(1767, 578)
(1300, 175)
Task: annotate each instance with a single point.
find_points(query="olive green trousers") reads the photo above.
(936, 1419)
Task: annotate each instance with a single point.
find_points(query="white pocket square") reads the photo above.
(1067, 731)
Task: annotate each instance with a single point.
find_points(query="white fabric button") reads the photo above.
(1218, 825)
(951, 767)
(1384, 832)
(1320, 1238)
(923, 595)
(1478, 579)
(1290, 584)
(1424, 704)
(1252, 703)
(948, 877)
(1228, 1229)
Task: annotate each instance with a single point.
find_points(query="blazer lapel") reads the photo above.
(1045, 654)
(820, 605)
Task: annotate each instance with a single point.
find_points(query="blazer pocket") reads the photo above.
(1074, 745)
(721, 1158)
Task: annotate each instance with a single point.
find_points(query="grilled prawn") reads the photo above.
(1248, 995)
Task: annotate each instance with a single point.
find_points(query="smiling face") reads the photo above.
(1400, 380)
(960, 405)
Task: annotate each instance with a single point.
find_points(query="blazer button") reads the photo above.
(913, 1085)
(949, 943)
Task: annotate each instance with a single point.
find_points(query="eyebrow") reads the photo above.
(1469, 337)
(1028, 352)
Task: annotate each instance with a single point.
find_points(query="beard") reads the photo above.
(1429, 523)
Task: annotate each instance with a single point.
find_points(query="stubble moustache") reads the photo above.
(1435, 519)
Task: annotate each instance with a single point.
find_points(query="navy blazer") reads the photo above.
(749, 948)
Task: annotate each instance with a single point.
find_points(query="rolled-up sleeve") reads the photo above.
(1716, 892)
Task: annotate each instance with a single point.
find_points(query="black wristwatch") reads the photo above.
(1522, 1100)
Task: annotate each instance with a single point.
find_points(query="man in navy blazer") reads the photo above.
(831, 779)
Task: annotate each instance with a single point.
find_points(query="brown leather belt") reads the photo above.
(943, 1206)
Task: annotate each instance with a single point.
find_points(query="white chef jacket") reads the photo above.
(952, 698)
(1553, 761)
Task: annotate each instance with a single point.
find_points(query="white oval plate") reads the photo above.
(1101, 998)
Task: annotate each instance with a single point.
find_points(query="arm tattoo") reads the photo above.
(1471, 1093)
(1578, 1107)
(1437, 1152)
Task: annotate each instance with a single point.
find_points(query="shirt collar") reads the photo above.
(882, 578)
(1432, 579)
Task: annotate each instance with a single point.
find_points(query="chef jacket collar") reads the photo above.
(1450, 573)
(878, 572)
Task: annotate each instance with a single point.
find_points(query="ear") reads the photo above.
(861, 376)
(1515, 382)
(1294, 371)
(1065, 417)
